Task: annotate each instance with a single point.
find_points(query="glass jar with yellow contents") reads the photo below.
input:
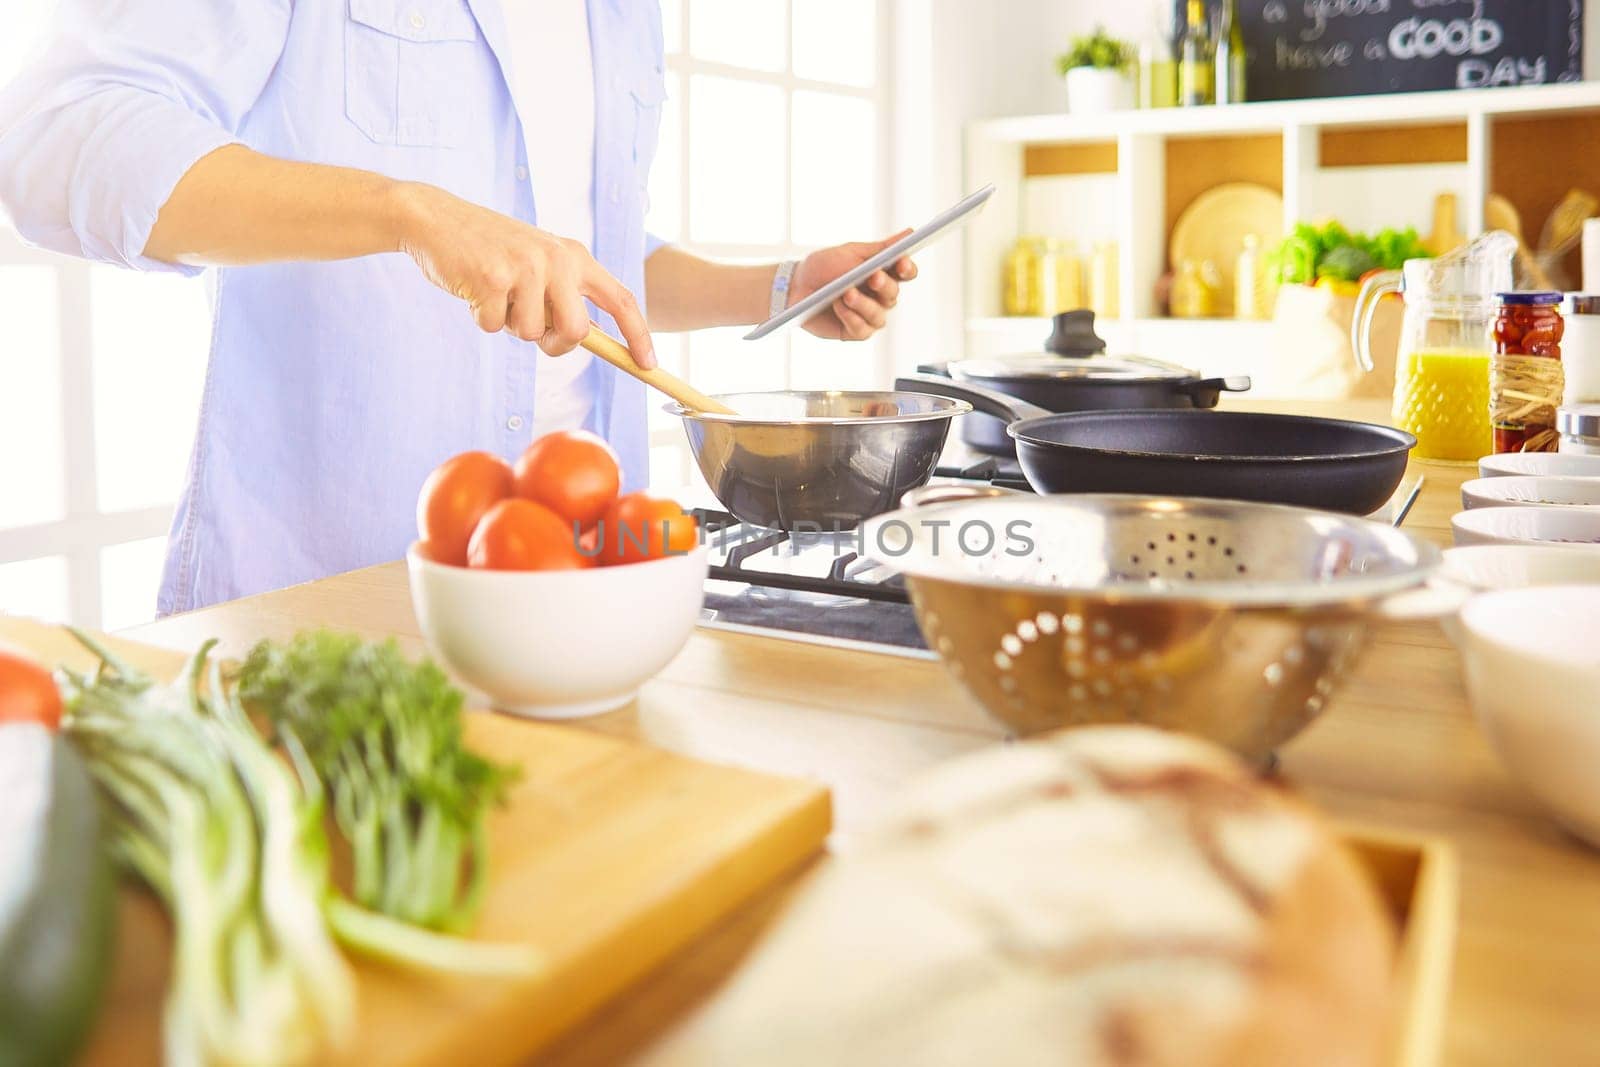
(1019, 292)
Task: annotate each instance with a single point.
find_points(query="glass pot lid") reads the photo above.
(1033, 367)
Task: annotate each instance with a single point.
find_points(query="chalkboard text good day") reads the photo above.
(1312, 48)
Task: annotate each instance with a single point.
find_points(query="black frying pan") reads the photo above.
(1332, 464)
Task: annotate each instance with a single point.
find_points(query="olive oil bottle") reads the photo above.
(1230, 56)
(1196, 80)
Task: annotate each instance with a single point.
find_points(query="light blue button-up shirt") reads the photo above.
(332, 388)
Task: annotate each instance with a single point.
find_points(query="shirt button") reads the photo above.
(417, 21)
(514, 423)
(522, 174)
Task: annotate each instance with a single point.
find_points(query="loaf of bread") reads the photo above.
(1105, 896)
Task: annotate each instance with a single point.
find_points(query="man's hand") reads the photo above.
(513, 276)
(862, 311)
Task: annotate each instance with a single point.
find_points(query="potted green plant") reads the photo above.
(1097, 70)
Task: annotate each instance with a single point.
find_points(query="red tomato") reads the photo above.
(27, 692)
(519, 535)
(455, 497)
(573, 473)
(640, 527)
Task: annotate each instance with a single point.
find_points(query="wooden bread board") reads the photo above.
(608, 857)
(1417, 879)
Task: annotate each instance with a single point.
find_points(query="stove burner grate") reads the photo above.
(848, 575)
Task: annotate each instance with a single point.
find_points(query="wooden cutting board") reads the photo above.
(608, 857)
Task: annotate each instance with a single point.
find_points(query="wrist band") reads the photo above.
(780, 286)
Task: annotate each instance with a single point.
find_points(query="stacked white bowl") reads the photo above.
(1532, 498)
(1529, 550)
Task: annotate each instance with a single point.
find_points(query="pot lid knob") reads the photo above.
(1073, 335)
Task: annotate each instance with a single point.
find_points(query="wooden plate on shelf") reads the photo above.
(1215, 225)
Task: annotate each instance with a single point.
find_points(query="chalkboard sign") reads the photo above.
(1311, 48)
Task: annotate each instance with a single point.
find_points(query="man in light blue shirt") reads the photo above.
(358, 171)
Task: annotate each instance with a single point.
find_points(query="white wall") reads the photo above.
(960, 60)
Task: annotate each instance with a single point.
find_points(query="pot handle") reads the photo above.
(988, 401)
(941, 368)
(1207, 391)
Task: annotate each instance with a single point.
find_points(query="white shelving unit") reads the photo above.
(1128, 204)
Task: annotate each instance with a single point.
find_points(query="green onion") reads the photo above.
(231, 839)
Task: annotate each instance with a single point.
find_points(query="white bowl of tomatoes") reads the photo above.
(544, 588)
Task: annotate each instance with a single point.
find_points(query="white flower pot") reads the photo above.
(1091, 90)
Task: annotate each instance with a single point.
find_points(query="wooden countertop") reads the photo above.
(1398, 747)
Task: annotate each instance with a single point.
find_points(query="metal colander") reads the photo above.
(1229, 620)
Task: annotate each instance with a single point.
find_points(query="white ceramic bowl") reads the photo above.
(1533, 673)
(1486, 568)
(1577, 528)
(1530, 491)
(1542, 464)
(558, 644)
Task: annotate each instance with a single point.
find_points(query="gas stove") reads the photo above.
(816, 588)
(804, 587)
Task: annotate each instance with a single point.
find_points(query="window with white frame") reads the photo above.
(100, 377)
(771, 144)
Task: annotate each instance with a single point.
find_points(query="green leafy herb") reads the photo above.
(1391, 248)
(1099, 50)
(1331, 251)
(386, 737)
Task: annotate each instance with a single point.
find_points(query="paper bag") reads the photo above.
(1311, 328)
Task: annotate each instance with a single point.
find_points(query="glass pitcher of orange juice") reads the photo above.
(1441, 389)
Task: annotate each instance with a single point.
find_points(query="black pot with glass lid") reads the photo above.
(1075, 374)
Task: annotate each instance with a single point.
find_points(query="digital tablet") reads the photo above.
(883, 260)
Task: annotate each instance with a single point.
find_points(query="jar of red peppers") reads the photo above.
(1525, 373)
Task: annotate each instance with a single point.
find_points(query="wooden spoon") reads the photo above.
(1500, 214)
(616, 353)
(1564, 228)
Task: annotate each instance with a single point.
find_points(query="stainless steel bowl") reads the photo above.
(1229, 620)
(818, 460)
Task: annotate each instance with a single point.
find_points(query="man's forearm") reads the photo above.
(236, 207)
(686, 292)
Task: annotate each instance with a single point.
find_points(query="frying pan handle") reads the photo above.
(1207, 391)
(988, 401)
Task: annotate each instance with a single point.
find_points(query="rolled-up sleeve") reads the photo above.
(123, 100)
(653, 244)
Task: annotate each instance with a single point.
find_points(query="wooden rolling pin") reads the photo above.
(616, 353)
